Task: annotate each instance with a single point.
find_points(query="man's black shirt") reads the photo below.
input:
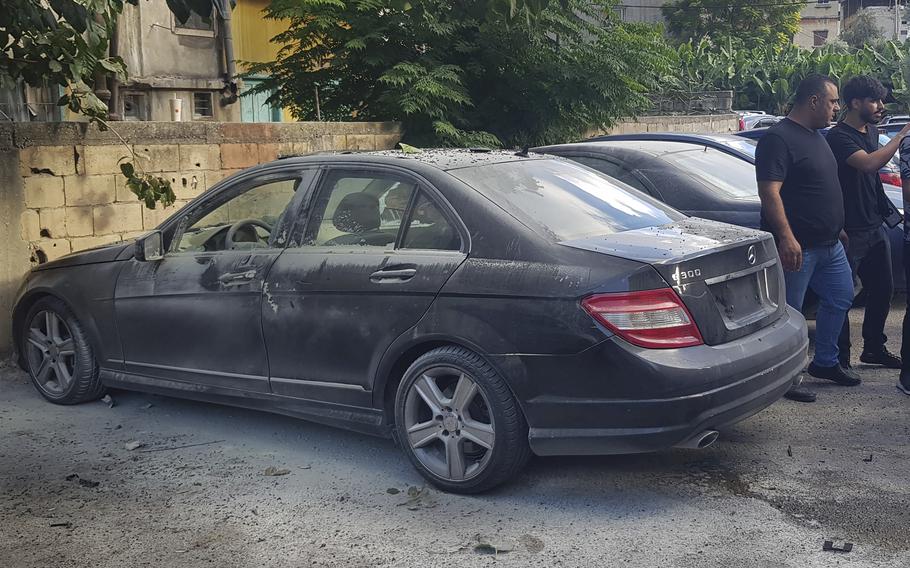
(811, 193)
(863, 191)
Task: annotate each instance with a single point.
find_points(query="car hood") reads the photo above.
(105, 253)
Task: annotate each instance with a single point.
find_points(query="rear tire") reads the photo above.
(458, 422)
(57, 354)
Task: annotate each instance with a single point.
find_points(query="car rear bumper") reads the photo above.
(649, 399)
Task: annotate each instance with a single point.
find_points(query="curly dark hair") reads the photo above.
(863, 87)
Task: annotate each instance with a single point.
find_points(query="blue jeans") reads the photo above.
(827, 271)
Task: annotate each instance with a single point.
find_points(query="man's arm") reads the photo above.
(869, 163)
(791, 254)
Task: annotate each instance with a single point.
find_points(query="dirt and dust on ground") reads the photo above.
(160, 482)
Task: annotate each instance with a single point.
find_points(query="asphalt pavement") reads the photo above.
(157, 481)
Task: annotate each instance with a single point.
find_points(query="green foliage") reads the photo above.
(770, 22)
(862, 31)
(148, 188)
(468, 73)
(765, 77)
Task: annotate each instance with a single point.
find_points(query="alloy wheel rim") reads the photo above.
(448, 424)
(51, 352)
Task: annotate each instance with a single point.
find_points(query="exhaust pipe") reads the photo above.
(700, 441)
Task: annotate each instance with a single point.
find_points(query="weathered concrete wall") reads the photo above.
(61, 189)
(714, 123)
(14, 252)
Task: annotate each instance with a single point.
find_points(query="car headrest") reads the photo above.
(357, 213)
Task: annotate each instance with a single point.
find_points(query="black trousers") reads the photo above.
(869, 255)
(905, 340)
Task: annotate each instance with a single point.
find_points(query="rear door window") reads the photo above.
(566, 200)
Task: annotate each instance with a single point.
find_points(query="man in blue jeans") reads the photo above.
(803, 206)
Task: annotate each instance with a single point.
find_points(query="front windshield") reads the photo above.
(565, 200)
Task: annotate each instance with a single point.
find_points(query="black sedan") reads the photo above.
(476, 306)
(703, 175)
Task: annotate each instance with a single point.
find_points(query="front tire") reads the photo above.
(58, 356)
(458, 422)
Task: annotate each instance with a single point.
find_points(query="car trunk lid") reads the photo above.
(728, 277)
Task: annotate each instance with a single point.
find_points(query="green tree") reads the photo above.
(770, 22)
(484, 72)
(862, 30)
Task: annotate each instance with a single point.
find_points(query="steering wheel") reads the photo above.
(229, 237)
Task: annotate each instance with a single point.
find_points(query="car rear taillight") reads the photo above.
(648, 318)
(890, 177)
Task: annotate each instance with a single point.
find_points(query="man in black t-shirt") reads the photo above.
(803, 206)
(854, 142)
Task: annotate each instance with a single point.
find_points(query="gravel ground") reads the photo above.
(196, 494)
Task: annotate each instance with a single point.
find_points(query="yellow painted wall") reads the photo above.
(252, 31)
(252, 35)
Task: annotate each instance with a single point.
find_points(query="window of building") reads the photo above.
(135, 106)
(196, 25)
(819, 37)
(202, 106)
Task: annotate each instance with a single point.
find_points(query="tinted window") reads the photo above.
(358, 209)
(719, 171)
(262, 205)
(566, 200)
(615, 171)
(429, 228)
(745, 145)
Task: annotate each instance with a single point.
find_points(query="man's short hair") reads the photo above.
(863, 87)
(812, 85)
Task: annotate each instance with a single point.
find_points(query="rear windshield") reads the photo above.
(566, 200)
(718, 170)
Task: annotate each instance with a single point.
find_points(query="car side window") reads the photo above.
(428, 227)
(245, 221)
(358, 209)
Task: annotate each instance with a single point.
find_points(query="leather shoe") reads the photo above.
(883, 358)
(836, 373)
(800, 394)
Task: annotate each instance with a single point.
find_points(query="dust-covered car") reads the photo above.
(477, 306)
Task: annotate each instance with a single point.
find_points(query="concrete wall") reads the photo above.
(714, 123)
(61, 189)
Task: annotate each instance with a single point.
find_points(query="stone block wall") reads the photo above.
(62, 190)
(704, 123)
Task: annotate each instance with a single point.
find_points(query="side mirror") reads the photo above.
(148, 247)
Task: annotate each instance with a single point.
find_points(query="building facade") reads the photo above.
(820, 23)
(177, 71)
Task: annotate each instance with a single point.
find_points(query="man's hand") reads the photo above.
(791, 254)
(904, 131)
(844, 239)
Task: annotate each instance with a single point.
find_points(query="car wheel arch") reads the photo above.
(393, 367)
(30, 299)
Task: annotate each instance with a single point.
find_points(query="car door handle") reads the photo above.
(237, 277)
(397, 275)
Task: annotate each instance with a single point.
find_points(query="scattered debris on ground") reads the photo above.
(273, 471)
(829, 546)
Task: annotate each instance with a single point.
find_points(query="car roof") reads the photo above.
(441, 158)
(724, 142)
